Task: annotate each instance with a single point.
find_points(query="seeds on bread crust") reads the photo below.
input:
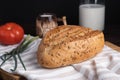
(66, 45)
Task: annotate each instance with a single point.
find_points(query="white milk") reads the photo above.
(92, 16)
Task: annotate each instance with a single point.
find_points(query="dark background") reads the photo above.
(24, 12)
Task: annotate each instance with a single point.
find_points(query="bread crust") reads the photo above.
(66, 45)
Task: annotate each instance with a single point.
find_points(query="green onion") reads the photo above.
(17, 51)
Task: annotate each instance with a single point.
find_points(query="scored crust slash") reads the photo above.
(69, 44)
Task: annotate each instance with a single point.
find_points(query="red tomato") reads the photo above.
(11, 33)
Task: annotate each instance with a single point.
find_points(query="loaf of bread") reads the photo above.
(66, 45)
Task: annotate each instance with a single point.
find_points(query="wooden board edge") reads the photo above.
(8, 76)
(113, 46)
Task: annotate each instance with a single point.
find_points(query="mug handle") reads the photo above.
(63, 19)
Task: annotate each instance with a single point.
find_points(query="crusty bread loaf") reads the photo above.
(69, 44)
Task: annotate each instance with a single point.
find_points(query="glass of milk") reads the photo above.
(92, 14)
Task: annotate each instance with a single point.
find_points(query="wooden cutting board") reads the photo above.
(7, 76)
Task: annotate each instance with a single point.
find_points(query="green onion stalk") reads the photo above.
(17, 51)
